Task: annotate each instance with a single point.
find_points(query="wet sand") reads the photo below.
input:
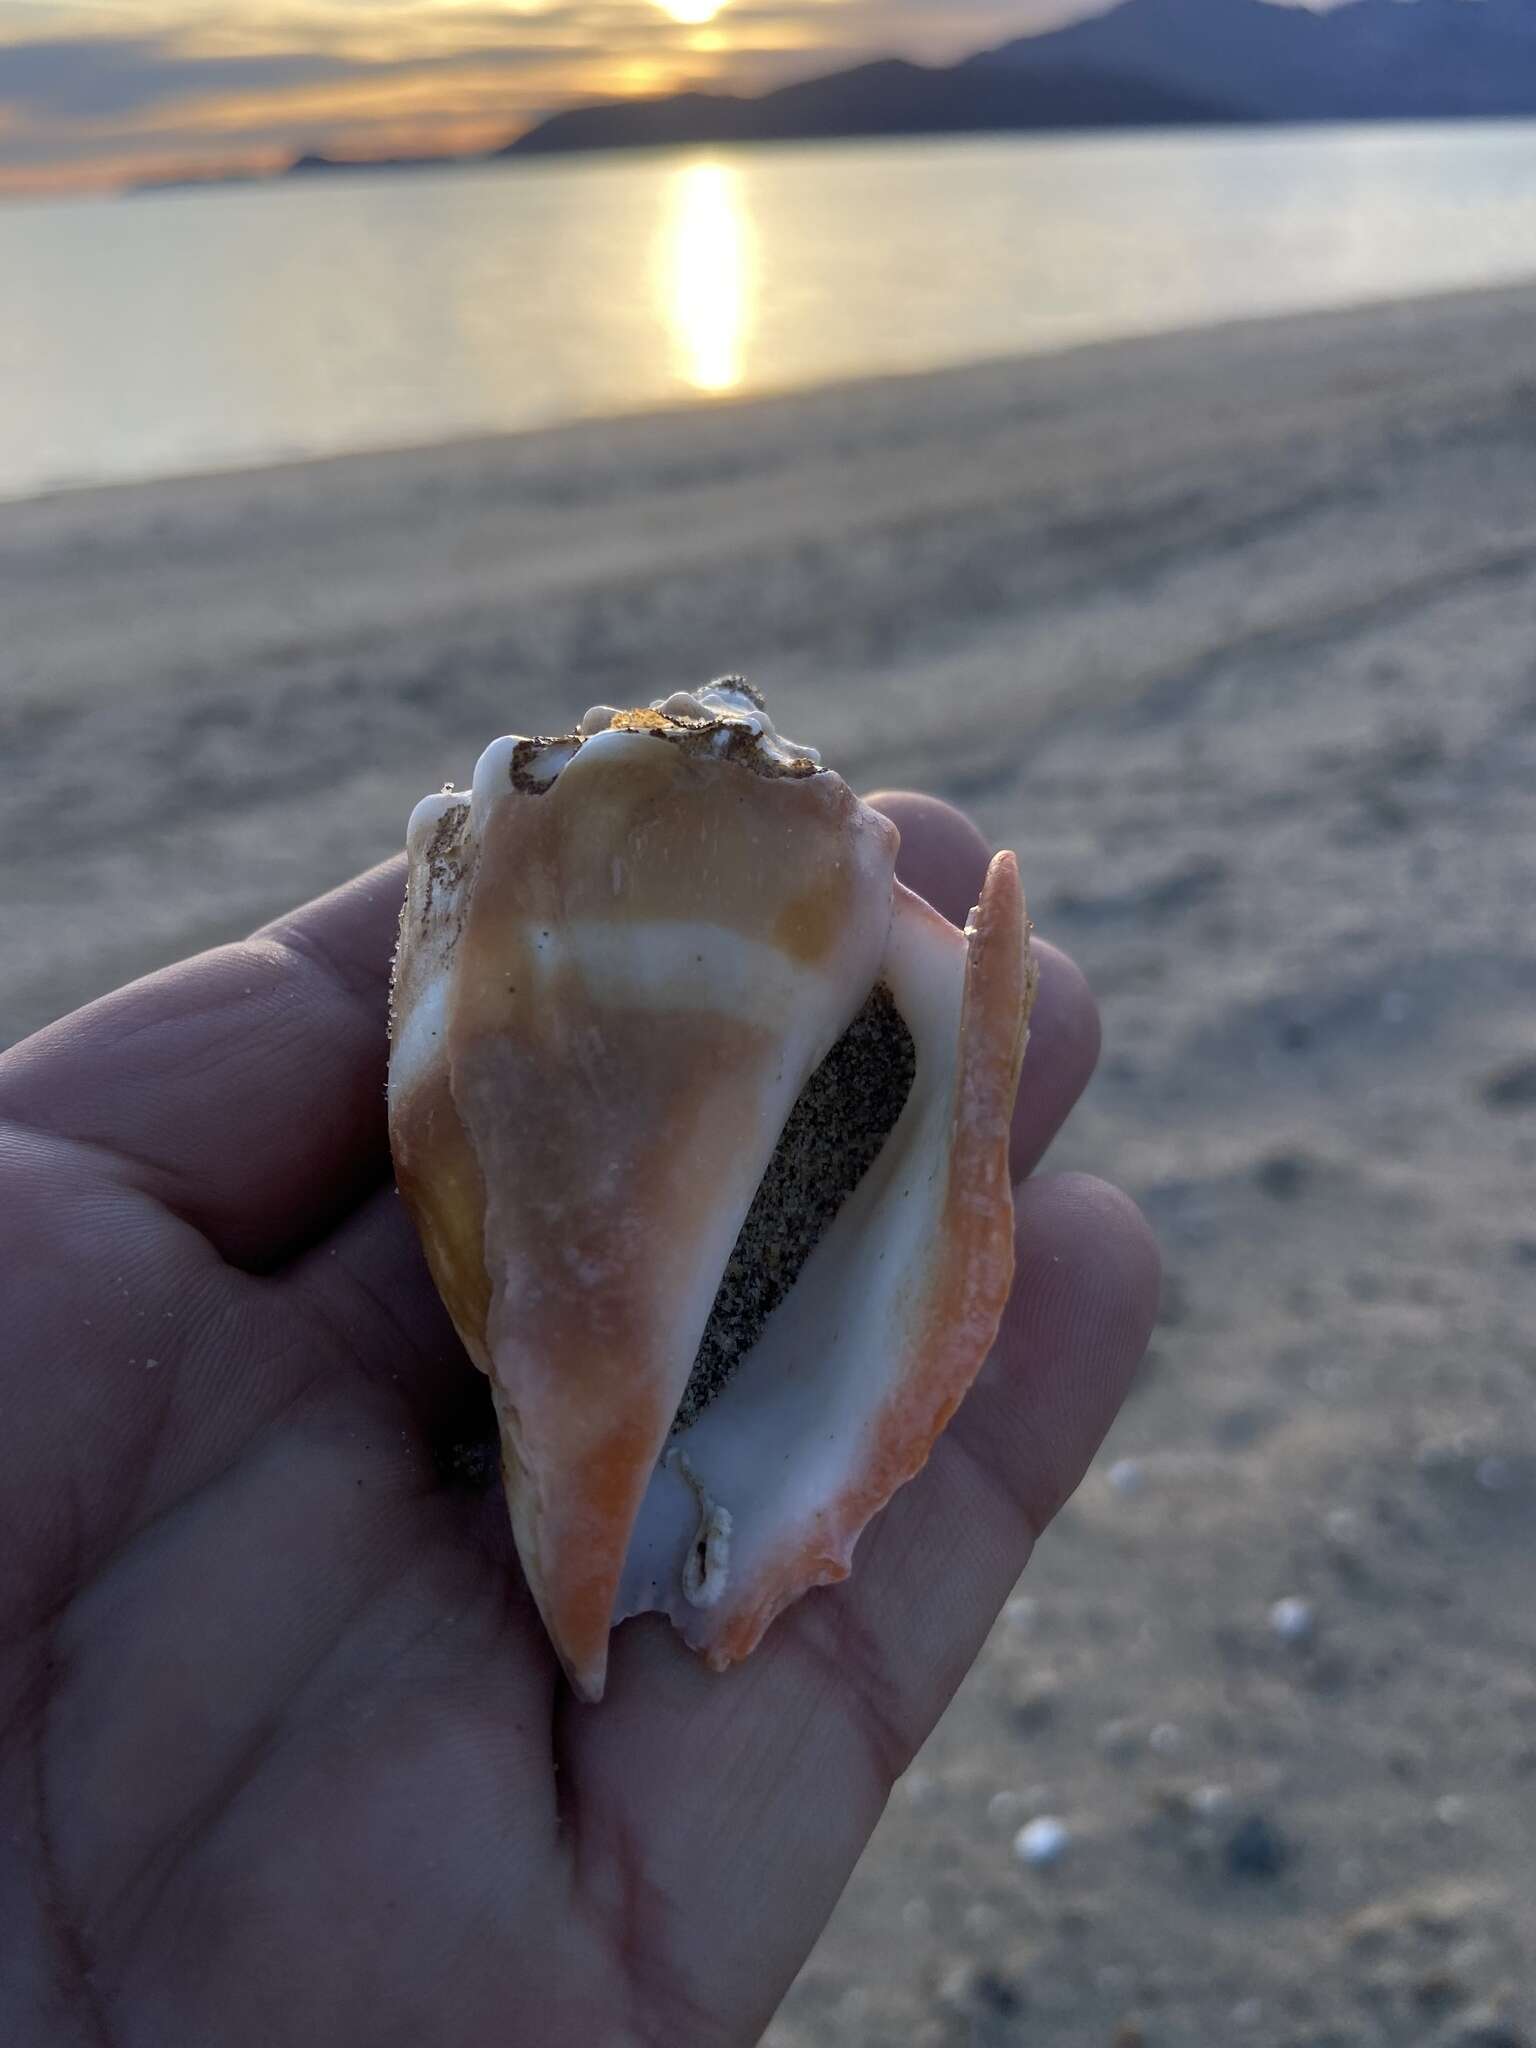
(1233, 637)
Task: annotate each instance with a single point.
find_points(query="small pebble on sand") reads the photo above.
(1042, 1842)
(955, 1987)
(1256, 1848)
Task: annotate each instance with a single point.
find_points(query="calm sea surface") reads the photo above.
(199, 330)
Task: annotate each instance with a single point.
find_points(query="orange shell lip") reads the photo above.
(612, 987)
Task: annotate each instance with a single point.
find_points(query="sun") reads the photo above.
(691, 13)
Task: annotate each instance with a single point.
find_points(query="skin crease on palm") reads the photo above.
(285, 1756)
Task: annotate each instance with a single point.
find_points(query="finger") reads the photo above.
(765, 1784)
(1058, 1065)
(944, 859)
(243, 1089)
(943, 856)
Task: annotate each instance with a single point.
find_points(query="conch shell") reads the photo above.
(703, 1119)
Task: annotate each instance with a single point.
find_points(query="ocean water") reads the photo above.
(186, 331)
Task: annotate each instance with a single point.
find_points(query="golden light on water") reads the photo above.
(692, 13)
(707, 275)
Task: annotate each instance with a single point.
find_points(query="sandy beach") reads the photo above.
(1233, 637)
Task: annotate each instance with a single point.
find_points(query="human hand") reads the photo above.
(284, 1755)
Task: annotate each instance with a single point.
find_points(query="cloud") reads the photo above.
(103, 77)
(86, 78)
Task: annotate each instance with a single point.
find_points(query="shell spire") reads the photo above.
(703, 1121)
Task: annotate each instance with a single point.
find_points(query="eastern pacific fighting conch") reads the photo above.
(703, 1120)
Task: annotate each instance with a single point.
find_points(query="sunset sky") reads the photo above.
(94, 92)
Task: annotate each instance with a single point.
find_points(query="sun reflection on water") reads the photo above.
(706, 275)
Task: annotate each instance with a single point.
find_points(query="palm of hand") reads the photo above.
(285, 1756)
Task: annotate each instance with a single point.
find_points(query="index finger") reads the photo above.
(944, 859)
(242, 1089)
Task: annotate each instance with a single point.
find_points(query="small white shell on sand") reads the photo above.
(1293, 1619)
(1042, 1841)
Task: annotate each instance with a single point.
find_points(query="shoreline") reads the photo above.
(675, 418)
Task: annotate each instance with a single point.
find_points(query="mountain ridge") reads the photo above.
(885, 96)
(1367, 60)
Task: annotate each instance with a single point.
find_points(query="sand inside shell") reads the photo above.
(845, 1113)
